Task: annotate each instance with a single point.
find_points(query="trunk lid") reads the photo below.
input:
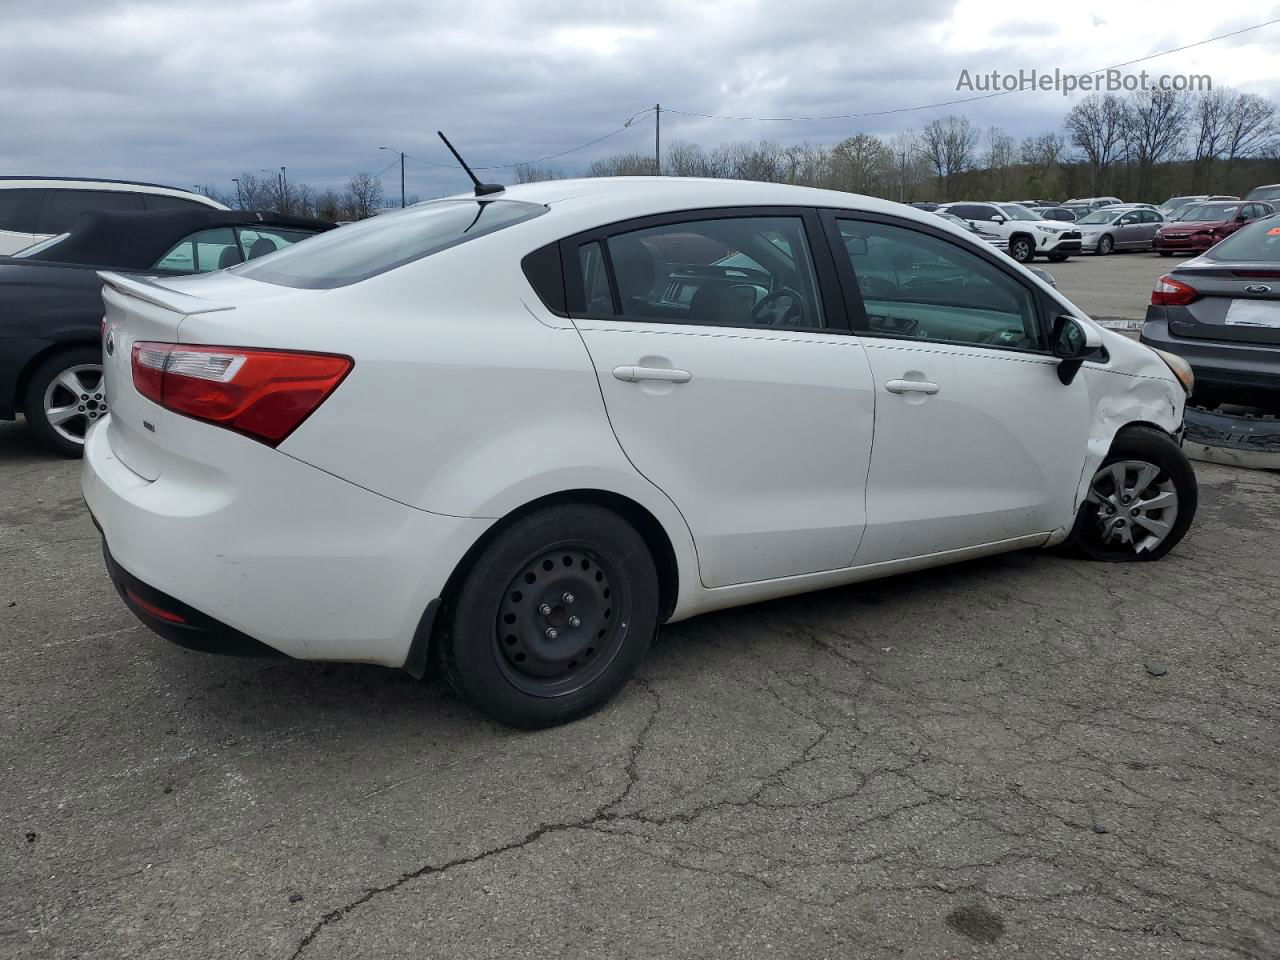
(154, 308)
(1239, 302)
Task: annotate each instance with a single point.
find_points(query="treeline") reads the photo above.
(361, 197)
(1145, 147)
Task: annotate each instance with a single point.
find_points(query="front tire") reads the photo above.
(1165, 253)
(1058, 257)
(553, 617)
(1105, 246)
(64, 397)
(1022, 250)
(1141, 501)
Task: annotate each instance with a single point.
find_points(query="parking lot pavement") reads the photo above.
(1023, 756)
(1115, 289)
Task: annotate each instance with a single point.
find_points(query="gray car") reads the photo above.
(1119, 228)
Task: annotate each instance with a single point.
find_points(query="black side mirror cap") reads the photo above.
(1072, 342)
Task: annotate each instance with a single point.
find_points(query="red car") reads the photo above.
(1200, 226)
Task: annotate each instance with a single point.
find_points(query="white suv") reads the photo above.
(35, 208)
(1028, 234)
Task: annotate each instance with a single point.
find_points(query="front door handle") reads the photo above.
(912, 386)
(666, 374)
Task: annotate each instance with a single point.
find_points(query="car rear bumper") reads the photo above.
(1216, 363)
(283, 556)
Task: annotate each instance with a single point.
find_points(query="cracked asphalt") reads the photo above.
(1025, 756)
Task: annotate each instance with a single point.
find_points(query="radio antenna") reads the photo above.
(482, 189)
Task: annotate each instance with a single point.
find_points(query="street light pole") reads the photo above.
(284, 189)
(239, 199)
(401, 152)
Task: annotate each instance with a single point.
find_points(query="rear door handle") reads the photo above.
(667, 374)
(911, 386)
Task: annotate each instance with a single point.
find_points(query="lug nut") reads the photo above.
(84, 396)
(552, 633)
(575, 622)
(545, 609)
(567, 598)
(81, 408)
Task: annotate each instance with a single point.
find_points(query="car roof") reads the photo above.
(599, 201)
(135, 239)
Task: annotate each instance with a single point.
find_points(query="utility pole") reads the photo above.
(401, 152)
(239, 199)
(657, 138)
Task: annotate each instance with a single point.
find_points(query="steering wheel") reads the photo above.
(767, 313)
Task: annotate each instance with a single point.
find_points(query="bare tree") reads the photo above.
(255, 192)
(908, 165)
(1209, 115)
(527, 173)
(1000, 158)
(808, 165)
(328, 205)
(1155, 126)
(862, 164)
(362, 197)
(1249, 127)
(623, 165)
(686, 159)
(950, 145)
(1097, 126)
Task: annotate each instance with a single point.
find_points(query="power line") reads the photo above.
(981, 96)
(553, 156)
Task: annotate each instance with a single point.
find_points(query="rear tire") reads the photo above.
(553, 617)
(1165, 253)
(64, 397)
(1058, 257)
(1130, 500)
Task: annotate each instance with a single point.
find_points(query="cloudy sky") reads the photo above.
(194, 92)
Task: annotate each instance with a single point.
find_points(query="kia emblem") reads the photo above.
(111, 341)
(1251, 288)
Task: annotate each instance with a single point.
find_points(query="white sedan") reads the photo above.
(512, 434)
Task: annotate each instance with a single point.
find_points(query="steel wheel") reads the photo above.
(73, 400)
(1136, 505)
(560, 622)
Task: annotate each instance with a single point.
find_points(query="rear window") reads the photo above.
(1264, 193)
(365, 249)
(63, 207)
(1258, 241)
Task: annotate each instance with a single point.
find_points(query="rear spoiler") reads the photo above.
(161, 296)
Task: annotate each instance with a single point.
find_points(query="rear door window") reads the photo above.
(63, 207)
(20, 210)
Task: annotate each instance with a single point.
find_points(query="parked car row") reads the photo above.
(51, 299)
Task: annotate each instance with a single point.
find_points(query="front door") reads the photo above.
(976, 440)
(732, 383)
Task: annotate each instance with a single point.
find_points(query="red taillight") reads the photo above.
(264, 394)
(1169, 292)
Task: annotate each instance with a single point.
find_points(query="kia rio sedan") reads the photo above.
(512, 434)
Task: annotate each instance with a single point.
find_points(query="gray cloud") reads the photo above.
(193, 92)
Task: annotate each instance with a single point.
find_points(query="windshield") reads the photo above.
(362, 250)
(1174, 203)
(1016, 212)
(1259, 241)
(40, 246)
(1206, 212)
(1099, 216)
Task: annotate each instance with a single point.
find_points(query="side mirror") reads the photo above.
(997, 219)
(1072, 342)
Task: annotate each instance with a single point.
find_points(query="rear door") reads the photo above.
(732, 381)
(976, 440)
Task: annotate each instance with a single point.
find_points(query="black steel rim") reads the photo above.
(561, 621)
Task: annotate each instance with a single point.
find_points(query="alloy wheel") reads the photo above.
(74, 400)
(1136, 505)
